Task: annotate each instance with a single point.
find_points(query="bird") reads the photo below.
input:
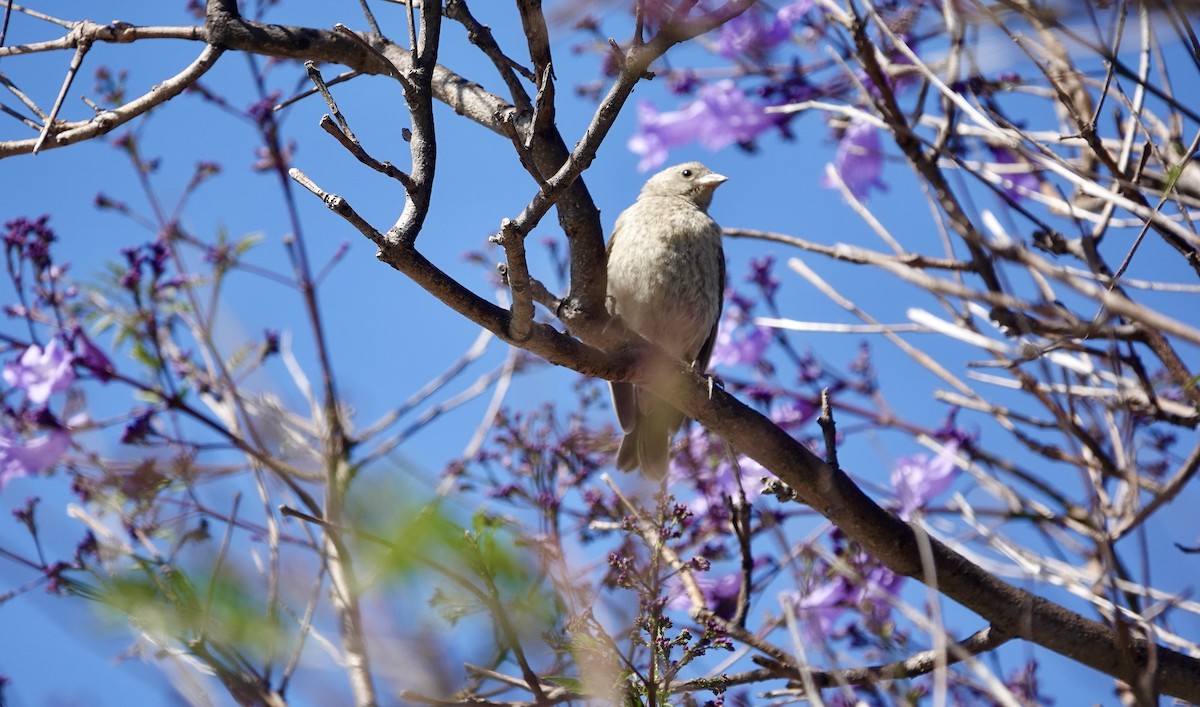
(666, 282)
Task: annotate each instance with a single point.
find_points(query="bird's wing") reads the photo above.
(624, 397)
(702, 358)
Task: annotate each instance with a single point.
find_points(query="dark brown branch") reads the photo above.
(816, 483)
(585, 303)
(552, 345)
(339, 128)
(543, 106)
(893, 542)
(516, 274)
(225, 28)
(423, 143)
(348, 141)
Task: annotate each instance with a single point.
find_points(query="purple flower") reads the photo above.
(761, 274)
(721, 115)
(819, 607)
(949, 431)
(749, 34)
(793, 413)
(823, 603)
(1016, 184)
(659, 132)
(139, 428)
(263, 110)
(682, 83)
(878, 582)
(720, 593)
(917, 479)
(31, 239)
(739, 341)
(702, 462)
(734, 118)
(19, 458)
(795, 11)
(859, 160)
(41, 372)
(739, 344)
(720, 483)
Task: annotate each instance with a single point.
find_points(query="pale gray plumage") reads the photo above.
(666, 279)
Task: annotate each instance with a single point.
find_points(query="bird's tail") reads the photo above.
(627, 455)
(654, 442)
(647, 442)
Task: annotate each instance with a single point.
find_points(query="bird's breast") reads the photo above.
(664, 276)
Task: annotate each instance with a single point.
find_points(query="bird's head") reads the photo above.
(690, 180)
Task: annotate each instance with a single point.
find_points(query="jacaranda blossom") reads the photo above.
(41, 372)
(720, 593)
(818, 608)
(916, 480)
(739, 344)
(793, 413)
(20, 458)
(1015, 184)
(753, 34)
(859, 160)
(720, 116)
(702, 462)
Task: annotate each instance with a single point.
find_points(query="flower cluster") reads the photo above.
(858, 162)
(780, 58)
(32, 438)
(861, 588)
(39, 373)
(721, 115)
(755, 32)
(740, 342)
(916, 480)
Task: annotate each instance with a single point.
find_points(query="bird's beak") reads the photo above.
(711, 181)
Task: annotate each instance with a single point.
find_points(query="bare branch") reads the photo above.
(69, 133)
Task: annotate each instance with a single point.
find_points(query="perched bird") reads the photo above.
(666, 280)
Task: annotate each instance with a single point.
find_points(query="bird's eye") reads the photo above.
(686, 173)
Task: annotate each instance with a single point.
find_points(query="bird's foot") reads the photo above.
(713, 384)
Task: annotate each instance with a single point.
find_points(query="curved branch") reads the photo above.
(823, 488)
(916, 665)
(70, 133)
(834, 495)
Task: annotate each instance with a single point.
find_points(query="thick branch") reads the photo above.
(828, 491)
(835, 496)
(577, 214)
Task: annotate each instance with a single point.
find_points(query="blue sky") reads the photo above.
(388, 337)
